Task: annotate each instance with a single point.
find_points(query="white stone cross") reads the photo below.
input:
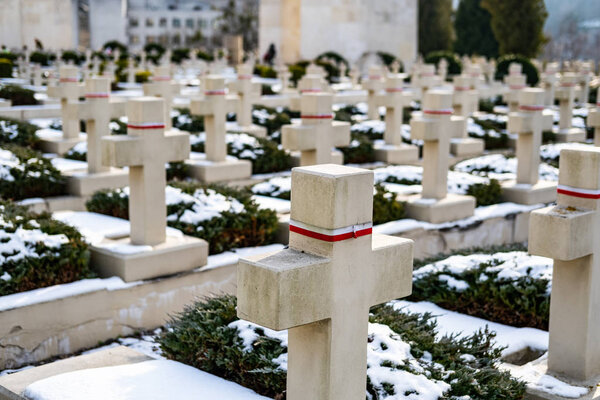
(130, 69)
(163, 86)
(374, 84)
(516, 81)
(568, 233)
(565, 94)
(317, 134)
(249, 93)
(322, 286)
(594, 119)
(284, 75)
(465, 99)
(145, 150)
(214, 108)
(68, 91)
(313, 81)
(427, 77)
(585, 76)
(549, 80)
(442, 69)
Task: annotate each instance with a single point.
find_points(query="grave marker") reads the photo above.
(164, 87)
(249, 93)
(594, 119)
(322, 286)
(465, 102)
(516, 81)
(565, 94)
(374, 84)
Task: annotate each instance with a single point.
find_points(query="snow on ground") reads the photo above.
(508, 265)
(385, 347)
(242, 144)
(280, 206)
(552, 151)
(67, 165)
(156, 379)
(497, 166)
(274, 187)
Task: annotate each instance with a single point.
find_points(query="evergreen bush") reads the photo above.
(533, 75)
(6, 68)
(454, 63)
(17, 132)
(18, 95)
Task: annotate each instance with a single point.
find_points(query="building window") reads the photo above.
(163, 40)
(176, 39)
(150, 39)
(189, 23)
(176, 23)
(149, 22)
(202, 24)
(163, 23)
(133, 22)
(135, 39)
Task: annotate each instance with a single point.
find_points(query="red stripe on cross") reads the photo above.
(330, 238)
(146, 126)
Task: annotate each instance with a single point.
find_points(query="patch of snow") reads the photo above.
(156, 379)
(280, 206)
(497, 166)
(274, 187)
(552, 151)
(67, 165)
(233, 256)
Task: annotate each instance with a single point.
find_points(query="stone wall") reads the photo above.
(303, 29)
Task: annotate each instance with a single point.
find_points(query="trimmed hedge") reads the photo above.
(385, 206)
(486, 194)
(276, 117)
(34, 176)
(201, 336)
(40, 57)
(53, 265)
(18, 95)
(252, 227)
(17, 132)
(360, 150)
(454, 63)
(388, 59)
(6, 68)
(533, 75)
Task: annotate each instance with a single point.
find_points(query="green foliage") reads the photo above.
(265, 71)
(336, 57)
(518, 25)
(154, 51)
(297, 70)
(523, 302)
(276, 117)
(54, 266)
(205, 56)
(73, 154)
(435, 25)
(388, 59)
(180, 54)
(533, 75)
(73, 56)
(474, 34)
(33, 177)
(18, 95)
(6, 68)
(142, 76)
(177, 171)
(12, 57)
(385, 206)
(200, 336)
(114, 45)
(493, 141)
(41, 58)
(17, 132)
(252, 227)
(486, 194)
(347, 113)
(454, 64)
(185, 121)
(360, 150)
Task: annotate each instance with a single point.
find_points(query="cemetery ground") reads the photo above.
(474, 327)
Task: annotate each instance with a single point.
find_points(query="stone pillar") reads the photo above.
(97, 117)
(374, 85)
(565, 94)
(69, 94)
(163, 86)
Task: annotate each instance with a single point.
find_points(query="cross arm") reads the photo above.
(594, 117)
(458, 125)
(519, 122)
(177, 147)
(284, 290)
(231, 102)
(341, 133)
(298, 137)
(562, 233)
(118, 108)
(424, 129)
(392, 266)
(122, 151)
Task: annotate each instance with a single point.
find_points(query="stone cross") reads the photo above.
(313, 81)
(394, 100)
(249, 93)
(442, 69)
(145, 150)
(343, 70)
(162, 86)
(395, 67)
(549, 80)
(37, 75)
(568, 233)
(96, 112)
(465, 99)
(374, 84)
(284, 75)
(476, 77)
(318, 134)
(130, 69)
(143, 60)
(594, 119)
(354, 75)
(565, 94)
(516, 82)
(110, 70)
(96, 66)
(68, 91)
(322, 286)
(427, 77)
(435, 128)
(585, 76)
(527, 123)
(214, 108)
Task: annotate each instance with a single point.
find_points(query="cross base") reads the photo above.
(254, 130)
(541, 192)
(436, 211)
(218, 171)
(466, 147)
(176, 254)
(570, 135)
(540, 367)
(59, 145)
(86, 184)
(397, 154)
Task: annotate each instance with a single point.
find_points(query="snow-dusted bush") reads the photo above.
(405, 358)
(226, 218)
(37, 251)
(18, 132)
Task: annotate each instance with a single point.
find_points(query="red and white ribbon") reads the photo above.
(68, 80)
(517, 87)
(161, 78)
(146, 126)
(242, 77)
(567, 84)
(578, 192)
(461, 88)
(447, 111)
(310, 91)
(316, 116)
(331, 235)
(532, 108)
(214, 92)
(99, 95)
(375, 77)
(394, 90)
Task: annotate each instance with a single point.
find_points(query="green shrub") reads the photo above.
(346, 113)
(454, 64)
(185, 121)
(73, 56)
(40, 57)
(17, 132)
(360, 150)
(18, 95)
(521, 302)
(155, 51)
(34, 176)
(486, 194)
(252, 227)
(118, 127)
(388, 59)
(265, 71)
(486, 105)
(142, 76)
(12, 57)
(271, 118)
(493, 142)
(337, 57)
(65, 262)
(385, 206)
(178, 171)
(533, 76)
(205, 56)
(297, 70)
(180, 54)
(114, 45)
(6, 68)
(548, 137)
(202, 336)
